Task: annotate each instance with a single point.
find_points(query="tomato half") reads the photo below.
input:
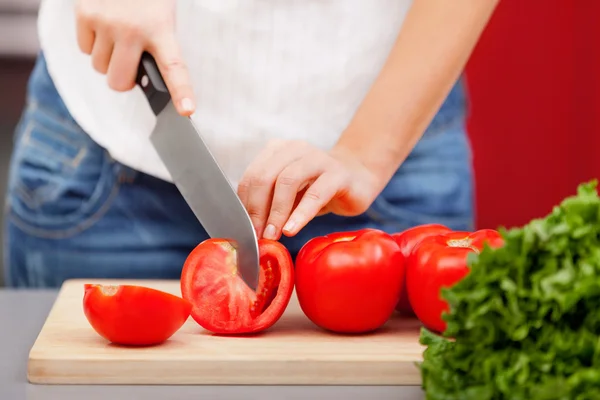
(349, 282)
(134, 315)
(407, 240)
(222, 302)
(440, 261)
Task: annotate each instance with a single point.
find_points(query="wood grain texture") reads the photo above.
(294, 351)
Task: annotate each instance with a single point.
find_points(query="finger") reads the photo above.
(174, 70)
(84, 26)
(317, 196)
(101, 53)
(293, 179)
(243, 192)
(260, 182)
(123, 66)
(85, 36)
(260, 193)
(254, 169)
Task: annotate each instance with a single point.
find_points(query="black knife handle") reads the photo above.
(152, 84)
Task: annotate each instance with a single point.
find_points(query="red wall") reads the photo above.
(534, 83)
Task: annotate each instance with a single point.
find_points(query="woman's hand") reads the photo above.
(291, 182)
(116, 33)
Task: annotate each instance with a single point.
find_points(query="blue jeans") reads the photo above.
(74, 212)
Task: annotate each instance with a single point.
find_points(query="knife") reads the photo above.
(197, 174)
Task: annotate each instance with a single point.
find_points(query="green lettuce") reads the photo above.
(525, 322)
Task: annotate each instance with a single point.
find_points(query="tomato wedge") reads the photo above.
(222, 302)
(134, 315)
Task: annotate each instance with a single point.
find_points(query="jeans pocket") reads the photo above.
(434, 185)
(443, 197)
(60, 182)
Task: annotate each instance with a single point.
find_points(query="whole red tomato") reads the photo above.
(222, 302)
(407, 240)
(440, 261)
(349, 282)
(134, 315)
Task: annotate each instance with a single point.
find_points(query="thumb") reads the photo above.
(167, 54)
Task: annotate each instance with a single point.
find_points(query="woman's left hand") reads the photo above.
(291, 182)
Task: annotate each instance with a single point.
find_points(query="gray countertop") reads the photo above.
(22, 314)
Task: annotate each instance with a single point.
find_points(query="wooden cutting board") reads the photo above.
(293, 351)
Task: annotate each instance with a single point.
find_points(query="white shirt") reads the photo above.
(261, 70)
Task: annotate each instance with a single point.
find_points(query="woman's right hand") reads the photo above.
(116, 33)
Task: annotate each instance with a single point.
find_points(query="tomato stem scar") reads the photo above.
(109, 290)
(465, 243)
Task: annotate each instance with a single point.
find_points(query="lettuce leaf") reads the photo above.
(525, 322)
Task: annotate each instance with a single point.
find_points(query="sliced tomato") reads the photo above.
(134, 315)
(222, 302)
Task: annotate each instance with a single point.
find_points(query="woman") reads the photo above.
(327, 115)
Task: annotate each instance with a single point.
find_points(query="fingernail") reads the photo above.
(187, 105)
(269, 232)
(289, 227)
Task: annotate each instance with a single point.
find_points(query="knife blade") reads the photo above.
(197, 174)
